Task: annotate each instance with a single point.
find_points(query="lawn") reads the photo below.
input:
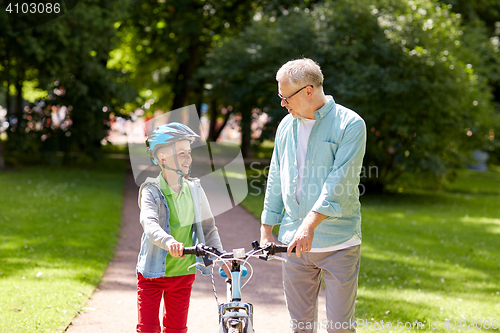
(59, 227)
(429, 258)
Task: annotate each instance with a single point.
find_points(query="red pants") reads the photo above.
(176, 292)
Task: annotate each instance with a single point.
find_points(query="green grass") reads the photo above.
(429, 256)
(58, 230)
(469, 181)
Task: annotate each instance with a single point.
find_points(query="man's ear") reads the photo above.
(309, 91)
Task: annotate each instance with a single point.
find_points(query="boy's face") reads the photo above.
(183, 154)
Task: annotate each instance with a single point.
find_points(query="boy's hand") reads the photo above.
(176, 250)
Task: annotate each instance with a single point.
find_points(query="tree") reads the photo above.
(481, 22)
(167, 43)
(67, 57)
(487, 11)
(399, 65)
(242, 70)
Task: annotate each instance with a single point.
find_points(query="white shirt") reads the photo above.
(303, 132)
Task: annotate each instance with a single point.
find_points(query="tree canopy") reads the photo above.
(401, 66)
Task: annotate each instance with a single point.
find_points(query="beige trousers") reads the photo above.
(302, 280)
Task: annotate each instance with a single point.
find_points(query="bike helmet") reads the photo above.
(167, 134)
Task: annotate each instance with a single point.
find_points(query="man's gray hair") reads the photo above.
(301, 72)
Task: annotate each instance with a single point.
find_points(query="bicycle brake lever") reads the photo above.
(264, 257)
(207, 262)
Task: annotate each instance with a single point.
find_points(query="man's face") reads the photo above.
(183, 155)
(297, 104)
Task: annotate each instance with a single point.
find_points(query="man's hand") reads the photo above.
(176, 250)
(266, 234)
(302, 241)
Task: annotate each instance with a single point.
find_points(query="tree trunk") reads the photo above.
(221, 128)
(213, 120)
(19, 100)
(199, 95)
(8, 106)
(184, 75)
(8, 99)
(195, 122)
(246, 132)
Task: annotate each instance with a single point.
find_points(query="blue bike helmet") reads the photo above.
(167, 134)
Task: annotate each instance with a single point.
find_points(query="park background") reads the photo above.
(424, 75)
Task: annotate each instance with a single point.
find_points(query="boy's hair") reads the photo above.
(301, 72)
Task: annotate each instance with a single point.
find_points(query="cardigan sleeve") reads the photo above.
(149, 216)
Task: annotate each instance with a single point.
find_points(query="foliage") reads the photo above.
(67, 58)
(400, 66)
(488, 11)
(59, 230)
(168, 41)
(241, 71)
(482, 40)
(165, 44)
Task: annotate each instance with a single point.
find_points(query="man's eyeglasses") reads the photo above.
(285, 99)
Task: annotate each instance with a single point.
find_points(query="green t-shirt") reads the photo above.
(181, 226)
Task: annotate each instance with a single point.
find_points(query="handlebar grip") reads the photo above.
(281, 248)
(200, 250)
(190, 250)
(278, 249)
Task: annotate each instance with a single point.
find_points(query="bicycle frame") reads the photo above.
(235, 313)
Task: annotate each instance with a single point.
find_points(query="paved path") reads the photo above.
(112, 308)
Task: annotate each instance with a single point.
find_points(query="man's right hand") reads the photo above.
(266, 234)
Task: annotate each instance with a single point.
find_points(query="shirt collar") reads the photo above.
(321, 112)
(168, 191)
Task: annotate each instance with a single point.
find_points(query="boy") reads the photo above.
(175, 213)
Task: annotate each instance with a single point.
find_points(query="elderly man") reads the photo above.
(312, 191)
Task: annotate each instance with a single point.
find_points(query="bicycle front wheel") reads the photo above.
(234, 325)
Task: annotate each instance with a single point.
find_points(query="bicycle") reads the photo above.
(235, 316)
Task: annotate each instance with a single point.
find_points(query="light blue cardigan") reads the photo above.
(156, 238)
(331, 176)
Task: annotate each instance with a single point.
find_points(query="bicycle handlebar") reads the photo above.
(267, 250)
